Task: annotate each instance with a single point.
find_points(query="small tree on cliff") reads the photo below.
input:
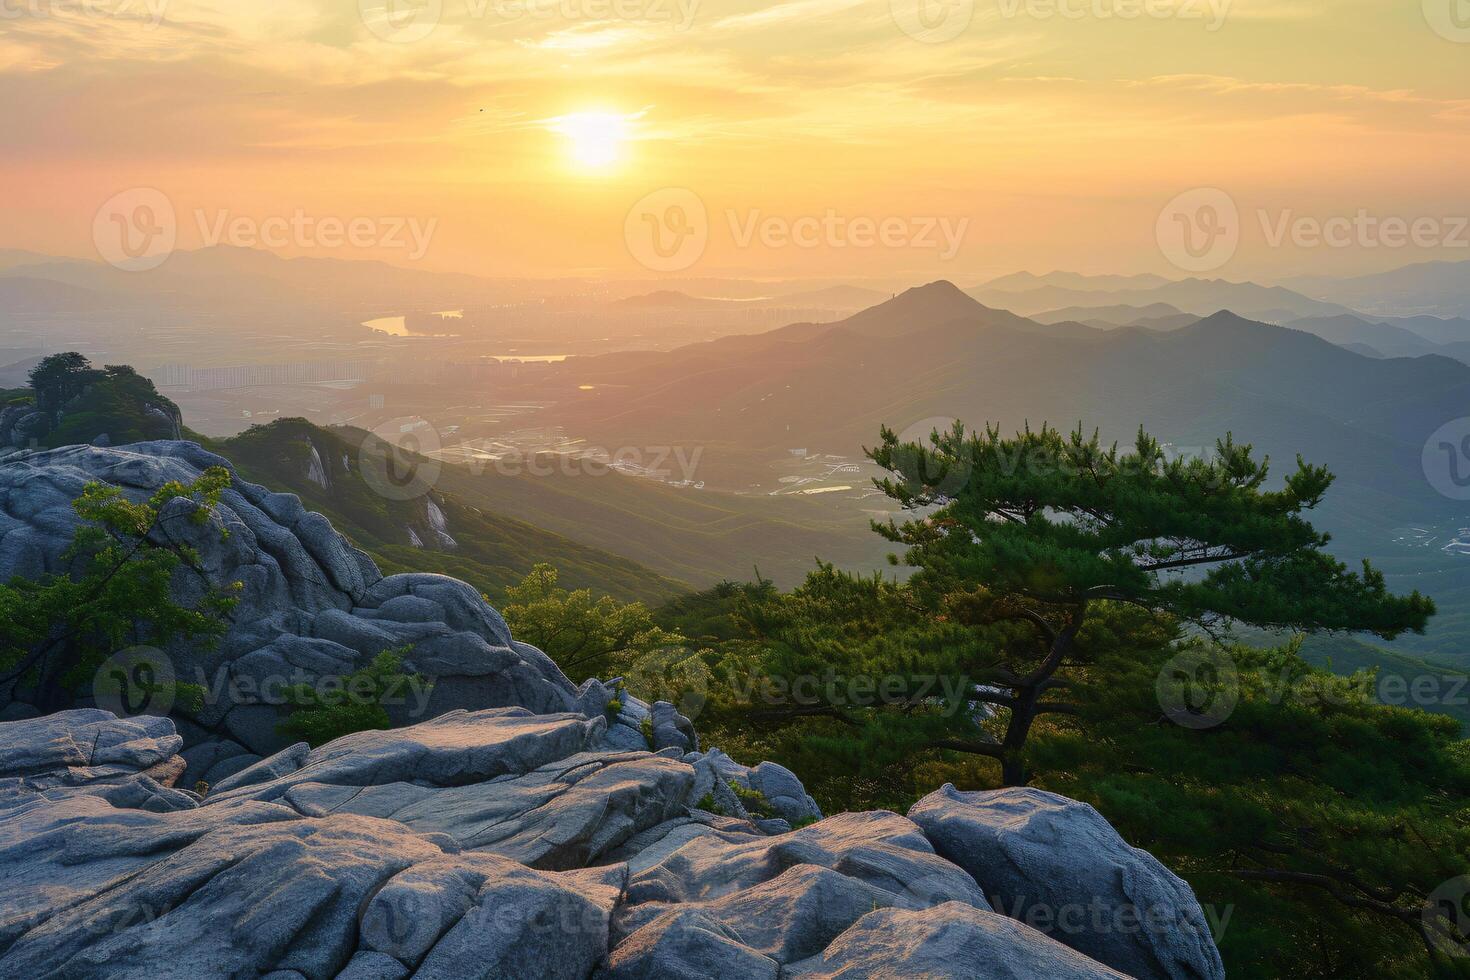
(56, 631)
(1040, 530)
(587, 635)
(59, 378)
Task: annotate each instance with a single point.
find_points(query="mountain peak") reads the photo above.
(938, 298)
(922, 307)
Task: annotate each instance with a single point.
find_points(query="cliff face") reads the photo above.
(509, 829)
(310, 604)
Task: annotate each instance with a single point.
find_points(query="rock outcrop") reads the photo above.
(515, 826)
(503, 843)
(310, 604)
(1036, 853)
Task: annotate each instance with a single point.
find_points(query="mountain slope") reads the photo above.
(629, 536)
(1387, 339)
(434, 532)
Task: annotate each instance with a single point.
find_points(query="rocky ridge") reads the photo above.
(518, 828)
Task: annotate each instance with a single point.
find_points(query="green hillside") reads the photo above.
(696, 536)
(489, 550)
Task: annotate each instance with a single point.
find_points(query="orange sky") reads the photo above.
(817, 137)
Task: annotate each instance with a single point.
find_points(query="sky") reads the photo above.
(943, 138)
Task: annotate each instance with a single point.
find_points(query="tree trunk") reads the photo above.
(1027, 697)
(1013, 761)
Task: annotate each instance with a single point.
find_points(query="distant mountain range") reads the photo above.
(934, 352)
(231, 277)
(1434, 288)
(1381, 338)
(1022, 281)
(1198, 296)
(21, 294)
(1154, 316)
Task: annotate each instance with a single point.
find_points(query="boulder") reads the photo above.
(1058, 866)
(86, 738)
(311, 606)
(953, 941)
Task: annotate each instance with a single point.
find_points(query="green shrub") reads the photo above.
(754, 801)
(356, 705)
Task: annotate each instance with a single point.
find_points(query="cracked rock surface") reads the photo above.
(503, 843)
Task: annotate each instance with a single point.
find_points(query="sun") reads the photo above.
(594, 139)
